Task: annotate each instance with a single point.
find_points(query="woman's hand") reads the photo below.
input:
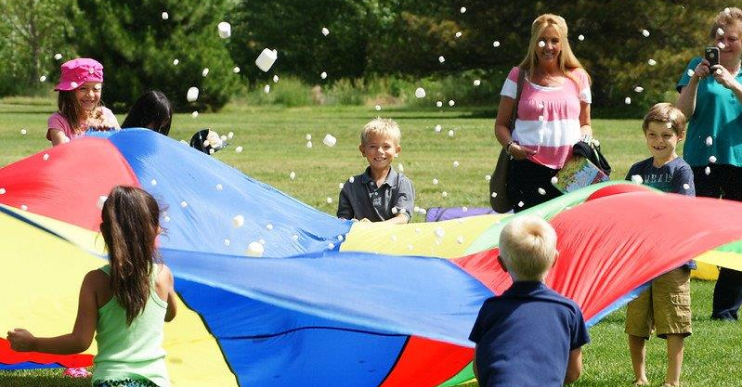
(723, 76)
(21, 340)
(702, 69)
(520, 152)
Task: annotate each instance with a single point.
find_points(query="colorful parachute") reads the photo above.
(331, 302)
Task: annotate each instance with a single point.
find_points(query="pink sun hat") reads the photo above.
(75, 72)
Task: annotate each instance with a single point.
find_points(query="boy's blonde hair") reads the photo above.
(664, 112)
(382, 126)
(528, 247)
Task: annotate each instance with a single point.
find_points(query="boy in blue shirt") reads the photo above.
(530, 336)
(665, 306)
(380, 194)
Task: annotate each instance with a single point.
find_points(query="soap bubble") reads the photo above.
(439, 104)
(205, 72)
(450, 133)
(236, 70)
(627, 100)
(238, 149)
(462, 10)
(175, 62)
(496, 43)
(637, 179)
(455, 164)
(165, 16)
(541, 191)
(309, 144)
(192, 95)
(709, 141)
(712, 159)
(194, 114)
(323, 75)
(255, 249)
(325, 31)
(451, 102)
(219, 187)
(378, 108)
(477, 82)
(153, 182)
(267, 89)
(441, 59)
(645, 33)
(238, 221)
(224, 29)
(42, 78)
(275, 79)
(638, 89)
(458, 34)
(581, 37)
(652, 62)
(57, 56)
(99, 204)
(292, 175)
(420, 92)
(24, 131)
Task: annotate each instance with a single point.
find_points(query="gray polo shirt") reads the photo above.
(363, 199)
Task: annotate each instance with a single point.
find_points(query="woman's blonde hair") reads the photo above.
(567, 59)
(724, 18)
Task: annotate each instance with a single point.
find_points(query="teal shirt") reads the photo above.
(134, 351)
(718, 114)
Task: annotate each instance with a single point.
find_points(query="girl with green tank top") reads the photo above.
(125, 303)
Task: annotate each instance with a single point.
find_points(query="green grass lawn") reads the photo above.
(275, 145)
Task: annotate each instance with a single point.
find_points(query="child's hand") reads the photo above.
(21, 340)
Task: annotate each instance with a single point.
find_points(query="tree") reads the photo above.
(34, 31)
(137, 46)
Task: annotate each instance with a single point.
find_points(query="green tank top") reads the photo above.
(134, 351)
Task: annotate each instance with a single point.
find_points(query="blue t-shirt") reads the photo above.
(675, 176)
(524, 337)
(718, 114)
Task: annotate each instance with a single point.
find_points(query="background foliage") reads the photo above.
(371, 42)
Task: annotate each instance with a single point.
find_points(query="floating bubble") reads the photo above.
(637, 179)
(690, 72)
(554, 180)
(712, 159)
(330, 246)
(227, 242)
(329, 140)
(255, 249)
(275, 79)
(423, 211)
(269, 227)
(638, 89)
(341, 238)
(455, 164)
(541, 191)
(205, 72)
(477, 82)
(709, 141)
(494, 194)
(225, 29)
(42, 78)
(450, 133)
(719, 31)
(707, 171)
(378, 107)
(46, 157)
(267, 89)
(230, 135)
(292, 175)
(176, 61)
(266, 59)
(496, 43)
(462, 10)
(2, 191)
(521, 204)
(458, 34)
(435, 181)
(444, 194)
(439, 232)
(325, 31)
(165, 16)
(101, 201)
(721, 45)
(192, 94)
(416, 209)
(24, 207)
(460, 239)
(351, 179)
(394, 210)
(686, 186)
(652, 62)
(627, 101)
(441, 59)
(329, 200)
(238, 149)
(541, 43)
(541, 118)
(236, 70)
(295, 237)
(153, 182)
(645, 33)
(238, 221)
(439, 104)
(24, 131)
(74, 85)
(184, 204)
(323, 75)
(309, 144)
(194, 114)
(581, 37)
(420, 92)
(219, 187)
(718, 71)
(487, 177)
(340, 186)
(400, 167)
(57, 56)
(451, 102)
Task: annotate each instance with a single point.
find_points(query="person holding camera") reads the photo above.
(552, 115)
(711, 97)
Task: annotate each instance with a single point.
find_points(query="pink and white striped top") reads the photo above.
(548, 117)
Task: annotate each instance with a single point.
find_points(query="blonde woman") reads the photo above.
(553, 112)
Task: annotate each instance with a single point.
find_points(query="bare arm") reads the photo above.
(58, 137)
(172, 297)
(585, 128)
(82, 334)
(574, 367)
(687, 100)
(502, 129)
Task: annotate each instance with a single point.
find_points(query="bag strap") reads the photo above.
(519, 88)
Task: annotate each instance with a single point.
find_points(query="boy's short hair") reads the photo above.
(666, 113)
(382, 126)
(528, 247)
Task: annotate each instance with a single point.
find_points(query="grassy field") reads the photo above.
(274, 142)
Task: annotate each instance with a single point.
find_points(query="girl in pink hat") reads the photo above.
(79, 104)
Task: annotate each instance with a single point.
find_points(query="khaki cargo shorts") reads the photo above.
(665, 306)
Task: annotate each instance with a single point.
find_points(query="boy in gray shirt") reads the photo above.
(380, 194)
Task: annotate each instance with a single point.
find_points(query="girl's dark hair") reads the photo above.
(130, 227)
(71, 110)
(153, 111)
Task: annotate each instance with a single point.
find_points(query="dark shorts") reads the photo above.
(524, 180)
